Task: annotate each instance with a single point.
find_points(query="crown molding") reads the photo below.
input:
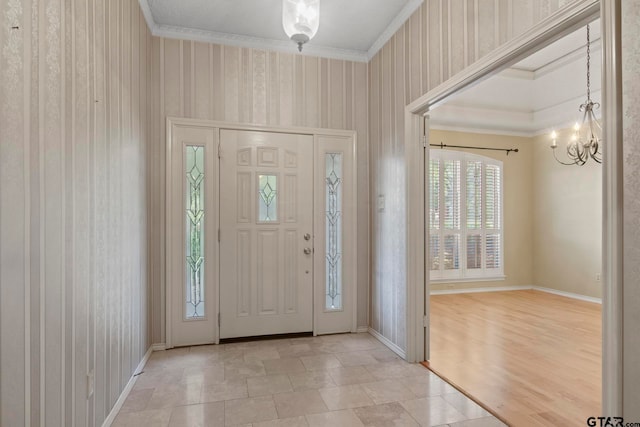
(183, 33)
(480, 130)
(393, 27)
(228, 39)
(148, 16)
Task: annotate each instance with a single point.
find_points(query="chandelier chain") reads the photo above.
(588, 65)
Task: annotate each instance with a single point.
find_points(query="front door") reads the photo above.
(266, 233)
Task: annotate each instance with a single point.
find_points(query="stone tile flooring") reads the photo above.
(332, 380)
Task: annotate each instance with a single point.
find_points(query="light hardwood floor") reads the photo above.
(532, 358)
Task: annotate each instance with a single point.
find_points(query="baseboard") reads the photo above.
(517, 288)
(362, 329)
(127, 389)
(477, 290)
(568, 294)
(393, 347)
(159, 346)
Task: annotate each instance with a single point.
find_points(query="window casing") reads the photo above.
(465, 217)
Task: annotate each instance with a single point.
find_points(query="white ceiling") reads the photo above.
(353, 29)
(539, 94)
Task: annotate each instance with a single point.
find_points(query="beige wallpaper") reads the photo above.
(631, 225)
(518, 203)
(215, 82)
(567, 221)
(73, 297)
(440, 39)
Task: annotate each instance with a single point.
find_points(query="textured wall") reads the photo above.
(208, 81)
(440, 39)
(517, 203)
(631, 197)
(73, 299)
(567, 227)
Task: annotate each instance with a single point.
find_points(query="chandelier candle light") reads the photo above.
(300, 19)
(585, 141)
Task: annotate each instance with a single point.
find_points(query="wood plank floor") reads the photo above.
(532, 358)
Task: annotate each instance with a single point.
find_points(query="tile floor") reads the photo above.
(333, 380)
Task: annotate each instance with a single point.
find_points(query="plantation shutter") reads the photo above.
(465, 216)
(493, 219)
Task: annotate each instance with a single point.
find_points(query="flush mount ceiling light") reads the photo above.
(585, 141)
(300, 19)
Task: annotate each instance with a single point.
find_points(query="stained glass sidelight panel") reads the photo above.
(333, 230)
(194, 236)
(267, 198)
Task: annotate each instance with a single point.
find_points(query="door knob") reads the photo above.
(307, 236)
(307, 251)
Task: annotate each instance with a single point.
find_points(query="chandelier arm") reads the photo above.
(596, 155)
(561, 162)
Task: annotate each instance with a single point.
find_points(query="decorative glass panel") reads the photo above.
(434, 252)
(194, 236)
(267, 198)
(493, 251)
(452, 194)
(434, 194)
(474, 195)
(333, 230)
(474, 252)
(451, 252)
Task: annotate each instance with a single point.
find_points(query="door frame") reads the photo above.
(316, 133)
(416, 155)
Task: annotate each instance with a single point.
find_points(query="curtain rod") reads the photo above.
(508, 150)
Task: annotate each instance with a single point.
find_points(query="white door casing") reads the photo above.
(182, 132)
(266, 227)
(193, 323)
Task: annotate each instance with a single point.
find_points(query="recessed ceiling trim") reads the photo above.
(182, 33)
(517, 73)
(393, 27)
(578, 54)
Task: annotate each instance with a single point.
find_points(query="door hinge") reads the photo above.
(425, 321)
(218, 320)
(218, 235)
(424, 141)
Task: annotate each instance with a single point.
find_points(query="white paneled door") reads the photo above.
(266, 233)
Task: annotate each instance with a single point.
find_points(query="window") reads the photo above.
(465, 217)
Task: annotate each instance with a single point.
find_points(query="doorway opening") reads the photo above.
(539, 37)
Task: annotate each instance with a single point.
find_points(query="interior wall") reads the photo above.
(567, 221)
(630, 12)
(73, 288)
(226, 83)
(517, 203)
(439, 40)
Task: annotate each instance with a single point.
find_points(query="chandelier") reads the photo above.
(300, 19)
(585, 141)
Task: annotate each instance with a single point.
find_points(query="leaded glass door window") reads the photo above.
(192, 254)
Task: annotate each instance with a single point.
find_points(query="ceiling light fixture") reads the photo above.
(585, 141)
(300, 19)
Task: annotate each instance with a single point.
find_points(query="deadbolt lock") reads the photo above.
(307, 236)
(307, 251)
